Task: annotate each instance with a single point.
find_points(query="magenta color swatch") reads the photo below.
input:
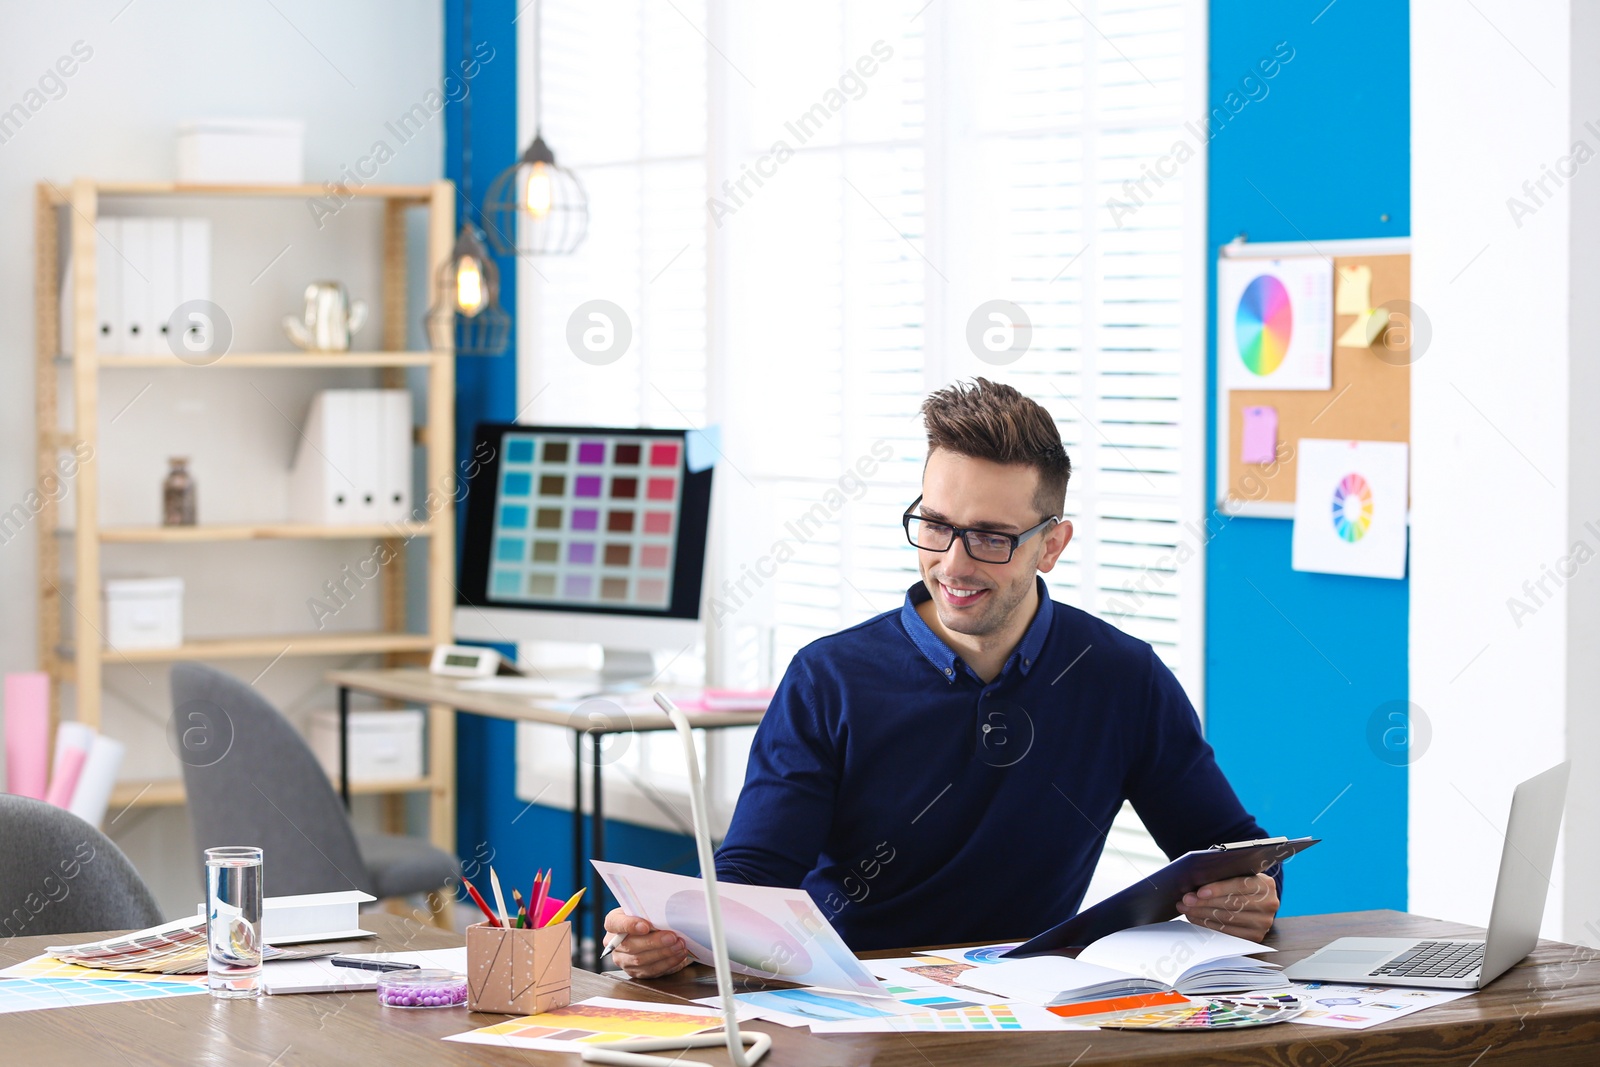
(592, 452)
(585, 519)
(665, 455)
(587, 485)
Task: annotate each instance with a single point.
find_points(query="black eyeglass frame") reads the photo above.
(959, 533)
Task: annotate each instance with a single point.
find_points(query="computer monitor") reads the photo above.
(584, 534)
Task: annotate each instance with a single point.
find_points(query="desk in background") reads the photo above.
(412, 685)
(1543, 1012)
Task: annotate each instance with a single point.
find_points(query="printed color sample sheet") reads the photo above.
(587, 519)
(1275, 323)
(1348, 1007)
(1350, 508)
(590, 1021)
(32, 994)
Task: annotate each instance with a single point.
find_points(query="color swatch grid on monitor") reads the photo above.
(587, 519)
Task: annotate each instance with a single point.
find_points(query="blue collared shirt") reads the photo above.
(919, 805)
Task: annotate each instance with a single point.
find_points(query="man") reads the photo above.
(947, 772)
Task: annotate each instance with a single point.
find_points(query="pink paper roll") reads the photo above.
(27, 714)
(73, 741)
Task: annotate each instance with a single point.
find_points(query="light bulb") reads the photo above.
(539, 193)
(470, 295)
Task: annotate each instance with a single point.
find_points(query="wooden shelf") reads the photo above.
(347, 644)
(168, 792)
(260, 360)
(268, 531)
(419, 193)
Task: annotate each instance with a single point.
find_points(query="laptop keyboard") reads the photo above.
(1435, 959)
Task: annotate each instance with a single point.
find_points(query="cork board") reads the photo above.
(1370, 399)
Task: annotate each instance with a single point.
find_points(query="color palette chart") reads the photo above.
(1352, 507)
(1217, 1013)
(1264, 324)
(31, 994)
(587, 519)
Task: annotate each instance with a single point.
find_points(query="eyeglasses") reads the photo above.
(985, 546)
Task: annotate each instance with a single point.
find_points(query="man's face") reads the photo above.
(973, 597)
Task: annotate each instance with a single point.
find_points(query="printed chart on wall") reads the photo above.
(1275, 322)
(1350, 508)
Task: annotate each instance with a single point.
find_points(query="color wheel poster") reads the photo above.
(1350, 508)
(1275, 323)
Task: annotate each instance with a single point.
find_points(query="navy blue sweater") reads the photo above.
(919, 806)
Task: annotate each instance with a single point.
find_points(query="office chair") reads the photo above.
(59, 875)
(255, 781)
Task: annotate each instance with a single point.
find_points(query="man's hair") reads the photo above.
(989, 420)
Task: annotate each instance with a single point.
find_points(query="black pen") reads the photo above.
(371, 965)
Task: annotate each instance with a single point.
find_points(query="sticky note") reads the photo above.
(1260, 438)
(1354, 295)
(1365, 331)
(702, 448)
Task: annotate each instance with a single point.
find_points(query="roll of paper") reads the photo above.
(27, 714)
(73, 741)
(98, 778)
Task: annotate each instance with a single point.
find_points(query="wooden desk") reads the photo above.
(1544, 1012)
(411, 685)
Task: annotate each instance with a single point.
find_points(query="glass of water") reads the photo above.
(233, 921)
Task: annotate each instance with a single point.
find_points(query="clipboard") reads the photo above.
(1155, 899)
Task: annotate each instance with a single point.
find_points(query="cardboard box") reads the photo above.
(144, 612)
(519, 972)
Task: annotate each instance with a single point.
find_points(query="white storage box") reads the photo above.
(144, 612)
(246, 151)
(385, 746)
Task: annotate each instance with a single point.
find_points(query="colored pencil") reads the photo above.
(499, 898)
(541, 892)
(522, 912)
(477, 898)
(566, 909)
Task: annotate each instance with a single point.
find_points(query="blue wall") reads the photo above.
(1297, 664)
(492, 825)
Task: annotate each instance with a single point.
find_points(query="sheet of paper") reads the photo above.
(321, 976)
(1043, 979)
(1350, 508)
(597, 1019)
(701, 448)
(50, 967)
(802, 1007)
(1164, 951)
(33, 994)
(1275, 323)
(1348, 1007)
(1353, 296)
(1259, 440)
(771, 932)
(999, 1018)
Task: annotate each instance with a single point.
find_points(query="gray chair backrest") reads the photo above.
(59, 875)
(251, 779)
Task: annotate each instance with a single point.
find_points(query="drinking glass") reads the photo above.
(233, 921)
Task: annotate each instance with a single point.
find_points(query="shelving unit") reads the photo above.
(80, 662)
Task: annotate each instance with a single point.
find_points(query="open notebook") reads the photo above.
(1144, 959)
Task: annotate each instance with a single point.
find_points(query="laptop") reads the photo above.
(1519, 897)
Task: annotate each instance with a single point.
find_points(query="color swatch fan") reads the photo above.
(1350, 508)
(1275, 322)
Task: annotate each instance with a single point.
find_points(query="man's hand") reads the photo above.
(1243, 907)
(645, 952)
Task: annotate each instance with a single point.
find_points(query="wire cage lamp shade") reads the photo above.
(466, 314)
(536, 207)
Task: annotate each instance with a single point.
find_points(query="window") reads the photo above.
(872, 176)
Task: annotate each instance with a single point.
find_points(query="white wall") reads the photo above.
(346, 69)
(1505, 444)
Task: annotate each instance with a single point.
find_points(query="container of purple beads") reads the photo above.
(422, 989)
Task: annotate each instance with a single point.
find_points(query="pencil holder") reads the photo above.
(519, 972)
